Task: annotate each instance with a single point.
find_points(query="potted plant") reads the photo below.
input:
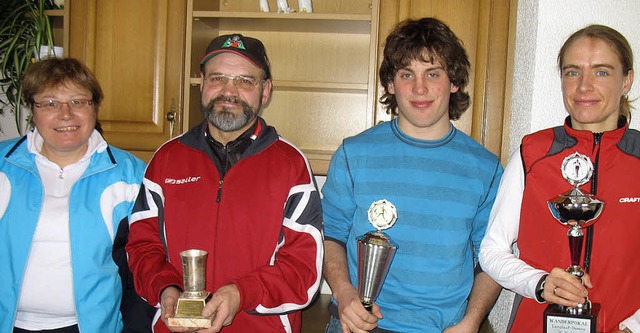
(24, 28)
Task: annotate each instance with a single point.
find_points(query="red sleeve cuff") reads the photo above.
(160, 283)
(250, 290)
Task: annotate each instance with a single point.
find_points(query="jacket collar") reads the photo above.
(24, 151)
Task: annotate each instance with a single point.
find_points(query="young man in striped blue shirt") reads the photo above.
(442, 182)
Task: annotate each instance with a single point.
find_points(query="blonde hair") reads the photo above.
(618, 44)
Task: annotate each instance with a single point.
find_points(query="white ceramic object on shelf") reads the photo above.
(283, 7)
(304, 6)
(264, 6)
(45, 52)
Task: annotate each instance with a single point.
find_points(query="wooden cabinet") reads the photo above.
(136, 50)
(146, 54)
(323, 66)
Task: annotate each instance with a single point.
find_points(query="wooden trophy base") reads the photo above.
(202, 322)
(557, 320)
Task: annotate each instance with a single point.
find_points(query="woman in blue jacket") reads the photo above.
(64, 193)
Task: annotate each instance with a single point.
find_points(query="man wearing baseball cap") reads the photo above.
(232, 187)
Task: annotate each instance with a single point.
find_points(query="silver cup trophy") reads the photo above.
(575, 210)
(194, 298)
(375, 252)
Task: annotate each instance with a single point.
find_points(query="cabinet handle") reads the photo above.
(171, 117)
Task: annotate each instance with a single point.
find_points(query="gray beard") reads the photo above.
(224, 119)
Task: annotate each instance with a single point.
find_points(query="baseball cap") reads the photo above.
(247, 47)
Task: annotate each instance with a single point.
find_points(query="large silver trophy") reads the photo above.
(575, 210)
(194, 298)
(375, 252)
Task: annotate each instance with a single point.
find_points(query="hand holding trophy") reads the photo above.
(195, 297)
(375, 252)
(574, 209)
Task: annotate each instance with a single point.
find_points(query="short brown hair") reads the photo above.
(55, 72)
(50, 73)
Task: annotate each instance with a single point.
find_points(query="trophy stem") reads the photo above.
(576, 237)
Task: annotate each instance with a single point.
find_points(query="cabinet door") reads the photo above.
(135, 49)
(484, 28)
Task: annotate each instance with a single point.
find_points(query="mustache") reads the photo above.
(226, 99)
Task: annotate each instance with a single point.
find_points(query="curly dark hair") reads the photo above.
(428, 40)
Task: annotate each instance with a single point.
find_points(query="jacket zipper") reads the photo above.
(219, 197)
(224, 164)
(597, 137)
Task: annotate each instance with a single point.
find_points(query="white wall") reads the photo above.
(542, 27)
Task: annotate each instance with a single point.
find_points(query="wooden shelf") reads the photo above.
(54, 12)
(326, 86)
(307, 85)
(321, 155)
(319, 160)
(282, 16)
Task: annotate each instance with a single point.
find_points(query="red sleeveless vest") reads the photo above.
(542, 240)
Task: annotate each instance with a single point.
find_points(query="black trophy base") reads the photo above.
(557, 320)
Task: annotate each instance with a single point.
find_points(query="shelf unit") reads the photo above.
(323, 66)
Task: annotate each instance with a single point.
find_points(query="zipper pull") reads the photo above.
(596, 138)
(219, 190)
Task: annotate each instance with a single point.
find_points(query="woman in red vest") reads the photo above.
(525, 248)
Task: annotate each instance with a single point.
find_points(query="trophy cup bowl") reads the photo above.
(194, 298)
(375, 253)
(576, 206)
(575, 210)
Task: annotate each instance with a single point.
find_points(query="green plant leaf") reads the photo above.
(24, 27)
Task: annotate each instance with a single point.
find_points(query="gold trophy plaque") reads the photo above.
(194, 298)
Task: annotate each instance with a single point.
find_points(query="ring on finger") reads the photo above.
(554, 290)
